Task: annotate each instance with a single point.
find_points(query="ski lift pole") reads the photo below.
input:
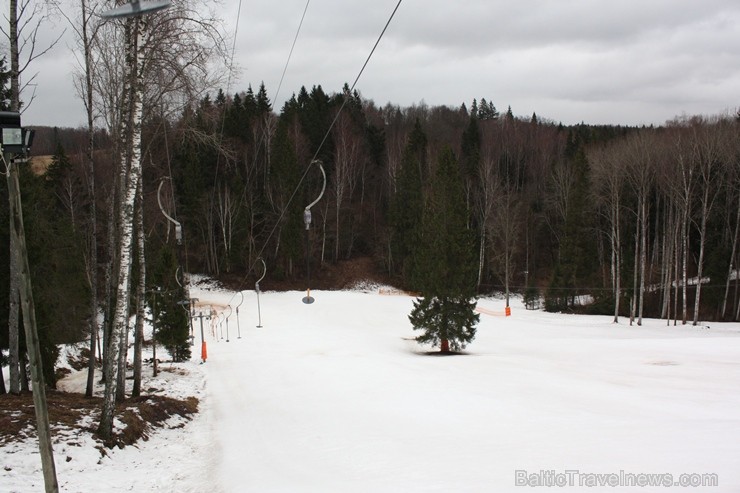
(307, 220)
(257, 289)
(203, 347)
(227, 324)
(238, 328)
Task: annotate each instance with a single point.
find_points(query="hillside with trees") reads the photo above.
(630, 222)
(603, 219)
(624, 218)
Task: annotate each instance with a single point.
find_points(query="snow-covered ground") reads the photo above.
(336, 396)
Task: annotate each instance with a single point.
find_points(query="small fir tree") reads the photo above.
(445, 264)
(170, 319)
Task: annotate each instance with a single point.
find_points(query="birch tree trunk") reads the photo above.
(709, 136)
(13, 311)
(140, 294)
(684, 263)
(705, 206)
(732, 258)
(132, 157)
(633, 303)
(643, 254)
(616, 255)
(92, 253)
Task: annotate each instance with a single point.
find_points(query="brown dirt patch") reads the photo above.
(140, 415)
(341, 275)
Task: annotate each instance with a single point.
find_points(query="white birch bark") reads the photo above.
(732, 258)
(140, 295)
(132, 128)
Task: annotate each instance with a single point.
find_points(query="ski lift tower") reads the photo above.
(15, 144)
(135, 8)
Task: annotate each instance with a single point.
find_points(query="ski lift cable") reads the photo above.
(169, 164)
(285, 67)
(228, 89)
(321, 145)
(280, 84)
(290, 54)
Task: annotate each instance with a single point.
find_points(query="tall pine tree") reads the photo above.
(406, 205)
(445, 263)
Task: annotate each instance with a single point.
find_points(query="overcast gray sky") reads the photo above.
(598, 61)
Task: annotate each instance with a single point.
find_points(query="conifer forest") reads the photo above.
(598, 219)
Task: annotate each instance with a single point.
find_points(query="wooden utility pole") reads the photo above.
(29, 322)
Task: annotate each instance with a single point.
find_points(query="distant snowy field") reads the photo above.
(337, 397)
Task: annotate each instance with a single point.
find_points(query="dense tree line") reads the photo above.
(569, 211)
(605, 219)
(578, 213)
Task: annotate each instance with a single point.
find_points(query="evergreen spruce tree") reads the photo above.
(577, 254)
(286, 173)
(170, 319)
(509, 114)
(445, 264)
(61, 292)
(407, 205)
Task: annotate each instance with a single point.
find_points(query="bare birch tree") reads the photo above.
(607, 165)
(346, 168)
(709, 156)
(641, 176)
(733, 154)
(681, 182)
(489, 189)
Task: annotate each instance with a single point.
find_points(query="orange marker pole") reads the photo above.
(203, 350)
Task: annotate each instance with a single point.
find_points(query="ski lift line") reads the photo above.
(318, 150)
(374, 47)
(307, 219)
(238, 326)
(282, 77)
(178, 226)
(264, 273)
(290, 55)
(257, 290)
(169, 164)
(228, 85)
(228, 89)
(323, 188)
(227, 322)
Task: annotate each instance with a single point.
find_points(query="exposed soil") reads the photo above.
(342, 275)
(141, 415)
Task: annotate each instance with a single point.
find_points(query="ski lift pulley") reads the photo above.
(308, 299)
(135, 8)
(178, 226)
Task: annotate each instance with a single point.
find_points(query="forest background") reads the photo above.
(597, 219)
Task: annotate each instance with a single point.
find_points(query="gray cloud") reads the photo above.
(598, 61)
